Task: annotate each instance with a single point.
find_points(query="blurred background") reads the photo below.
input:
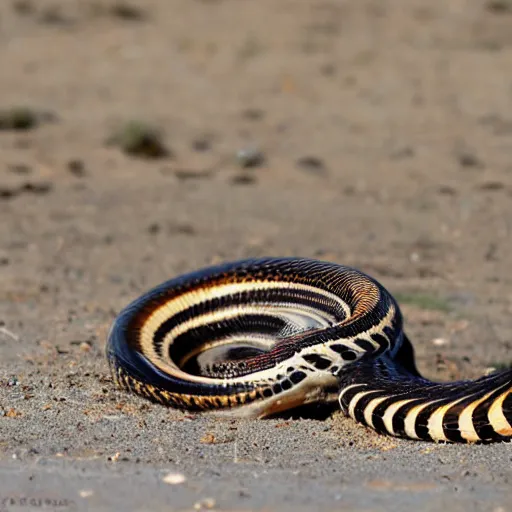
(143, 139)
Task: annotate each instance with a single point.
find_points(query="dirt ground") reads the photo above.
(372, 133)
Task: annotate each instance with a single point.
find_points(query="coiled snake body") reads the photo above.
(257, 337)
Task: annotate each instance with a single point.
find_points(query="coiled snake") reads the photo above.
(257, 337)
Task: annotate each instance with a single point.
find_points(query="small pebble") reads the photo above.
(174, 478)
(253, 114)
(13, 381)
(36, 188)
(243, 179)
(154, 228)
(206, 503)
(311, 164)
(85, 347)
(115, 457)
(250, 157)
(467, 159)
(446, 190)
(202, 144)
(499, 6)
(76, 167)
(492, 185)
(127, 12)
(7, 193)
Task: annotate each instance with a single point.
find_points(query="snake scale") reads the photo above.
(256, 337)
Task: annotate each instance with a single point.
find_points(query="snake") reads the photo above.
(259, 337)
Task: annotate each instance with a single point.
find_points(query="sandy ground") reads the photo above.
(386, 135)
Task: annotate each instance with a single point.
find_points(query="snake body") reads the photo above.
(257, 337)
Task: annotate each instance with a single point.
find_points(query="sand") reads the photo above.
(379, 136)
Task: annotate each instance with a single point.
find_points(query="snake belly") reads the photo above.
(257, 337)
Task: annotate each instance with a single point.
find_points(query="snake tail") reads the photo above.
(387, 398)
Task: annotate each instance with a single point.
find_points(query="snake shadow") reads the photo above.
(319, 412)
